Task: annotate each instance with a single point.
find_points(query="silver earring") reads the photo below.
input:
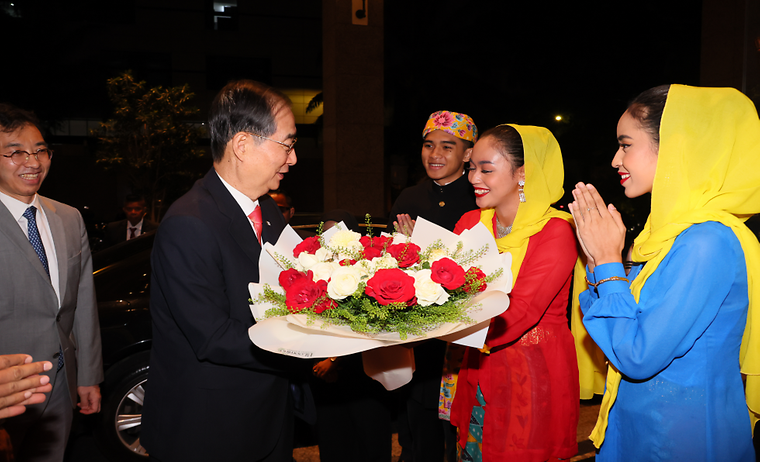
(520, 190)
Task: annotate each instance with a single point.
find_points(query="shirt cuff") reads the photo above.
(609, 270)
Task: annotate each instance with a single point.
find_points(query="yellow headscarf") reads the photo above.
(544, 175)
(707, 170)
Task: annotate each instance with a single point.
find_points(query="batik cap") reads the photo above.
(453, 123)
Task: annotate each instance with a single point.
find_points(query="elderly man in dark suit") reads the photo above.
(212, 394)
(47, 299)
(132, 227)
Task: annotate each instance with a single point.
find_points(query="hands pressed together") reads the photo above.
(599, 227)
(21, 384)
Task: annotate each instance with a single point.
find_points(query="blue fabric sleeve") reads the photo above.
(588, 297)
(677, 304)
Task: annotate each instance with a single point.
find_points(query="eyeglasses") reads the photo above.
(22, 157)
(289, 147)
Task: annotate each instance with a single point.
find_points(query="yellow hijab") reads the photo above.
(707, 170)
(544, 175)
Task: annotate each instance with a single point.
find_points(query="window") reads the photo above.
(224, 16)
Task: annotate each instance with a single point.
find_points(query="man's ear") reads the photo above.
(467, 154)
(240, 144)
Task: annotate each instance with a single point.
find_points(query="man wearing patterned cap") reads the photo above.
(447, 194)
(442, 199)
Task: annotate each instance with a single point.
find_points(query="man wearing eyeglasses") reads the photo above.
(47, 299)
(212, 394)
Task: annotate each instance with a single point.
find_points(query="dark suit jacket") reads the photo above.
(211, 394)
(30, 321)
(116, 231)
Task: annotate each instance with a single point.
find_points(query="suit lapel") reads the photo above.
(59, 240)
(273, 219)
(239, 226)
(12, 231)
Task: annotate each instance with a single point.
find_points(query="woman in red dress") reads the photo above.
(518, 397)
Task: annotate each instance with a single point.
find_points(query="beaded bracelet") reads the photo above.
(613, 278)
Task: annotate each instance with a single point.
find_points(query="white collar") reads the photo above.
(245, 202)
(16, 207)
(460, 176)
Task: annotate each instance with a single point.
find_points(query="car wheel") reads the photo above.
(119, 432)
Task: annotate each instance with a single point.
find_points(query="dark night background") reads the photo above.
(498, 61)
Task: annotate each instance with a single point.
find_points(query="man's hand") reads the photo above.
(89, 399)
(327, 370)
(21, 384)
(405, 224)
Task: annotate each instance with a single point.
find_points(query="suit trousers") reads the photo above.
(40, 434)
(283, 450)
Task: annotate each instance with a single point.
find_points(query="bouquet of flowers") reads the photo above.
(340, 292)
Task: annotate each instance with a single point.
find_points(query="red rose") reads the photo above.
(406, 254)
(377, 241)
(325, 303)
(288, 277)
(308, 245)
(347, 262)
(391, 286)
(447, 273)
(475, 281)
(371, 252)
(303, 293)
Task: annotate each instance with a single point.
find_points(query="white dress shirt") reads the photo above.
(138, 228)
(245, 202)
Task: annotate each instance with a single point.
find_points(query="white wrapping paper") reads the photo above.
(291, 335)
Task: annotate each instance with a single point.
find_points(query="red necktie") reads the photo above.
(132, 233)
(255, 217)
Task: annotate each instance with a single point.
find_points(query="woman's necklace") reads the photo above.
(502, 230)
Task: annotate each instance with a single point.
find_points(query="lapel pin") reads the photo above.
(268, 224)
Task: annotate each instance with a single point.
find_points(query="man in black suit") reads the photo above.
(135, 225)
(212, 394)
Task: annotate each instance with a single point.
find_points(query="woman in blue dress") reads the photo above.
(677, 335)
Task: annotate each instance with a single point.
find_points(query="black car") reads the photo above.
(122, 282)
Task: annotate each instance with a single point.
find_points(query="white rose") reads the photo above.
(427, 291)
(344, 282)
(365, 268)
(399, 238)
(385, 262)
(346, 239)
(322, 271)
(307, 260)
(323, 254)
(437, 254)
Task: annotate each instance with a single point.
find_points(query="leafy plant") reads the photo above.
(148, 139)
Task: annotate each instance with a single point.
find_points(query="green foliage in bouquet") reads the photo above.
(376, 286)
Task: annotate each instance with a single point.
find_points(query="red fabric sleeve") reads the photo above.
(468, 221)
(548, 264)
